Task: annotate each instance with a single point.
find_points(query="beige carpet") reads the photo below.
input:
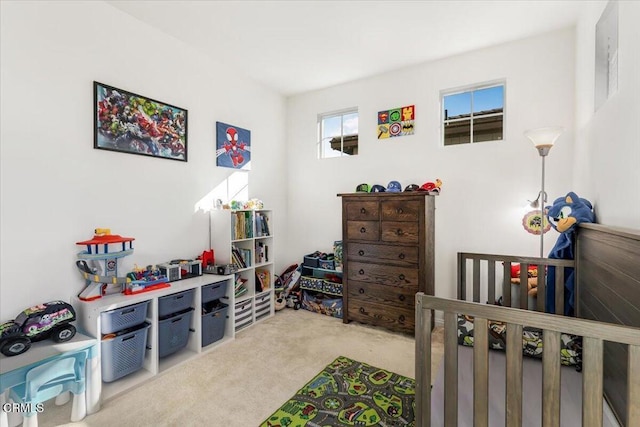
(242, 382)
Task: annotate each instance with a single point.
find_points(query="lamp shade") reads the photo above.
(544, 138)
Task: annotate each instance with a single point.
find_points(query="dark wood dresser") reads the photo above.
(388, 251)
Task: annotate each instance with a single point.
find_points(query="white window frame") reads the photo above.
(471, 89)
(341, 114)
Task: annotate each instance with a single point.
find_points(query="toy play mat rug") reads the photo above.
(349, 393)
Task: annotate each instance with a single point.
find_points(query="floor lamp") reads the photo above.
(543, 139)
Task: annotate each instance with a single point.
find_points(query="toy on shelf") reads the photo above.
(145, 280)
(49, 320)
(99, 266)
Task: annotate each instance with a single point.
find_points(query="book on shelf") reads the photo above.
(241, 257)
(263, 280)
(261, 252)
(262, 225)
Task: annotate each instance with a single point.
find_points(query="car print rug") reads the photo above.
(349, 393)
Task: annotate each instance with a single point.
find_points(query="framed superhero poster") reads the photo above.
(135, 124)
(396, 122)
(233, 147)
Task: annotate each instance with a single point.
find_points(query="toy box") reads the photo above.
(321, 303)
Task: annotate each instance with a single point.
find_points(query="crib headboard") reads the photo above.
(608, 290)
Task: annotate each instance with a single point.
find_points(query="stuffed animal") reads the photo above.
(564, 215)
(532, 278)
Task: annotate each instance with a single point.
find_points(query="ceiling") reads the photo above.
(299, 46)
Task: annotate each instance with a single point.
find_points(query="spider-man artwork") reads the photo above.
(233, 146)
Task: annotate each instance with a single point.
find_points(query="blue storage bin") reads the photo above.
(171, 304)
(173, 332)
(122, 318)
(123, 354)
(213, 323)
(214, 291)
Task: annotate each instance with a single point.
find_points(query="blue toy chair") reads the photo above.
(49, 380)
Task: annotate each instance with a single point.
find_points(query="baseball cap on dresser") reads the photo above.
(362, 188)
(411, 187)
(378, 189)
(394, 187)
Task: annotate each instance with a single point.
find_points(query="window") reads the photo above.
(338, 134)
(473, 115)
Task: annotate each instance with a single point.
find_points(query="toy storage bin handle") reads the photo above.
(128, 310)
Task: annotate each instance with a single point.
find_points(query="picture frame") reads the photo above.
(130, 123)
(233, 147)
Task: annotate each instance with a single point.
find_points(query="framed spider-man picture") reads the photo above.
(136, 124)
(233, 146)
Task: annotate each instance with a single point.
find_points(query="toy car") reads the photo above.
(51, 319)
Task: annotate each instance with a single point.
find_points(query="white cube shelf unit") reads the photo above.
(89, 319)
(245, 238)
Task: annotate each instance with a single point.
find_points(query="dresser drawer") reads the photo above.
(400, 210)
(384, 274)
(363, 211)
(391, 317)
(381, 294)
(400, 255)
(400, 232)
(363, 230)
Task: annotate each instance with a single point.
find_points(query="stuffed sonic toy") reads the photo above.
(564, 216)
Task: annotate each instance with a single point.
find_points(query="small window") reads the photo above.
(473, 115)
(338, 134)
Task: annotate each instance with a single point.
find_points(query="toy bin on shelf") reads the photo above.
(263, 305)
(173, 332)
(243, 314)
(214, 319)
(214, 291)
(122, 318)
(124, 353)
(175, 303)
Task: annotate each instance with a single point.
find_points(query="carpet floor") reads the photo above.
(242, 382)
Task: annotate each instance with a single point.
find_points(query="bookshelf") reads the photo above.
(244, 238)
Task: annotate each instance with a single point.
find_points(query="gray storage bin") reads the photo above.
(174, 303)
(122, 318)
(173, 332)
(123, 354)
(214, 291)
(213, 324)
(243, 314)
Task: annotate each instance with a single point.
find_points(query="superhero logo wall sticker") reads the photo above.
(396, 122)
(233, 146)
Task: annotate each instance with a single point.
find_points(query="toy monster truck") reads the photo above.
(51, 319)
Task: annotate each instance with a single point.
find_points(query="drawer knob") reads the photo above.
(401, 256)
(361, 252)
(401, 277)
(401, 297)
(399, 211)
(363, 230)
(361, 272)
(363, 211)
(399, 232)
(361, 291)
(401, 318)
(361, 310)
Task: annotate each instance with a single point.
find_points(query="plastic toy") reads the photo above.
(51, 319)
(103, 279)
(564, 215)
(431, 187)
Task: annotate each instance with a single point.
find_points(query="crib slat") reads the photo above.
(423, 363)
(480, 373)
(542, 286)
(591, 382)
(451, 369)
(506, 284)
(633, 387)
(492, 282)
(551, 379)
(476, 280)
(514, 375)
(462, 277)
(524, 285)
(560, 290)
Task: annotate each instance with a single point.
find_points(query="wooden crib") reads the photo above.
(607, 279)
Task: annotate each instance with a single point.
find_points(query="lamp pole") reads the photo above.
(542, 201)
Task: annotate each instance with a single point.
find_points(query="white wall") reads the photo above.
(484, 185)
(607, 170)
(56, 188)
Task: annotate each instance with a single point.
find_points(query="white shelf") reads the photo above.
(259, 250)
(88, 314)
